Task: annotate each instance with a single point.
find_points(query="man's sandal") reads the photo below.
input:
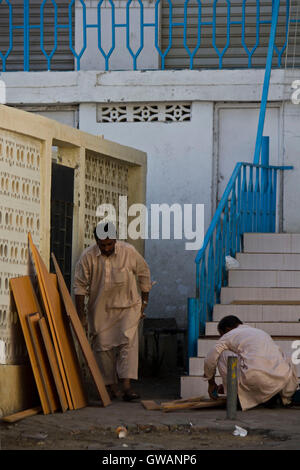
(129, 396)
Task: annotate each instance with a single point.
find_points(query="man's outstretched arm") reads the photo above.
(79, 302)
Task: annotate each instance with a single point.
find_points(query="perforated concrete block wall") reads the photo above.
(20, 158)
(105, 180)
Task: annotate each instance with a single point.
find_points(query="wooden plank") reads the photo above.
(195, 405)
(22, 414)
(81, 336)
(42, 360)
(60, 331)
(53, 363)
(24, 298)
(185, 400)
(151, 405)
(50, 322)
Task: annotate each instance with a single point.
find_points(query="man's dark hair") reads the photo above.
(230, 321)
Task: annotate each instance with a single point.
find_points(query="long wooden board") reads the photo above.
(25, 301)
(40, 354)
(185, 400)
(53, 363)
(151, 405)
(194, 405)
(22, 414)
(50, 322)
(61, 334)
(81, 336)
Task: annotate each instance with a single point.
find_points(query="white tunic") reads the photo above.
(111, 283)
(263, 369)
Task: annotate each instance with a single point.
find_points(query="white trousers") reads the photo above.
(120, 362)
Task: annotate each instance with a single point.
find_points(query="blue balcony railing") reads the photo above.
(23, 34)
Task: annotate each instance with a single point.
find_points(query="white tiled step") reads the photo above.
(253, 278)
(257, 294)
(205, 344)
(272, 328)
(283, 261)
(272, 243)
(255, 313)
(194, 386)
(196, 367)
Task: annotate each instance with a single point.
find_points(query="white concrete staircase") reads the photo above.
(264, 292)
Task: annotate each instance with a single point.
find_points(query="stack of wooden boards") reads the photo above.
(45, 315)
(187, 404)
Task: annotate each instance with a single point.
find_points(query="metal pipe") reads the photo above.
(231, 387)
(193, 326)
(266, 86)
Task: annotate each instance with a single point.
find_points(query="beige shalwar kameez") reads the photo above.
(263, 369)
(114, 306)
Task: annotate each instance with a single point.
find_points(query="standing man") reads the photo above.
(264, 373)
(110, 273)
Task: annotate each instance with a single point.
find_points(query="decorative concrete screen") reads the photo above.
(19, 213)
(103, 170)
(105, 181)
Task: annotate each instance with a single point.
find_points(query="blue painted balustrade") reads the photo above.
(139, 27)
(248, 205)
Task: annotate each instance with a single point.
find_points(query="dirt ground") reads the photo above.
(99, 439)
(94, 427)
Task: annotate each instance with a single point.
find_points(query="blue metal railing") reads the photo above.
(189, 10)
(247, 205)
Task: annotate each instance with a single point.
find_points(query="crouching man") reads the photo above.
(263, 371)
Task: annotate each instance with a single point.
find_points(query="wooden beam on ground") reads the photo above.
(61, 333)
(25, 301)
(185, 400)
(151, 405)
(81, 336)
(194, 405)
(21, 415)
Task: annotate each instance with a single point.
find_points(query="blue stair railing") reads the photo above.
(247, 205)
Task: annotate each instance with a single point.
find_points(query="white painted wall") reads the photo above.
(179, 171)
(185, 159)
(291, 192)
(236, 126)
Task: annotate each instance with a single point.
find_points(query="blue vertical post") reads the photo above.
(265, 157)
(193, 326)
(264, 100)
(26, 35)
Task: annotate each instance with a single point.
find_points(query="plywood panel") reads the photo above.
(50, 323)
(42, 360)
(24, 298)
(80, 334)
(53, 363)
(22, 414)
(60, 331)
